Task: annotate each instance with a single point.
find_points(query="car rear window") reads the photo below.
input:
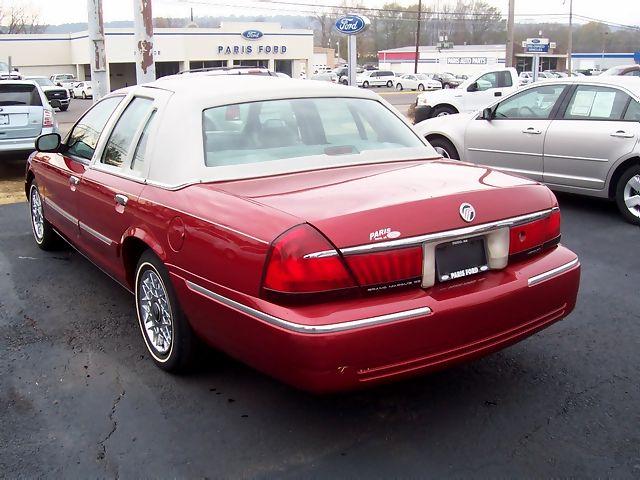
(19, 94)
(258, 132)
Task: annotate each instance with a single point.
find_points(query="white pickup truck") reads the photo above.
(64, 80)
(475, 93)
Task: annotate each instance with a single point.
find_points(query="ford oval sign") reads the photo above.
(252, 34)
(352, 24)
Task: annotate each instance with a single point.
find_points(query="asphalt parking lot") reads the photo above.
(80, 398)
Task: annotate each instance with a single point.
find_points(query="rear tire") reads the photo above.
(420, 87)
(84, 95)
(442, 111)
(398, 86)
(444, 147)
(389, 84)
(365, 84)
(165, 330)
(43, 233)
(628, 194)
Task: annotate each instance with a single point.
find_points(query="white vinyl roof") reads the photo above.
(176, 145)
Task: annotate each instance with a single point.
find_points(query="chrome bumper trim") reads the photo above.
(300, 328)
(438, 236)
(552, 273)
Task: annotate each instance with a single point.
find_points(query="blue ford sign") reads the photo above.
(352, 24)
(252, 34)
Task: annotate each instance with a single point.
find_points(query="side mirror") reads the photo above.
(487, 114)
(49, 142)
(473, 87)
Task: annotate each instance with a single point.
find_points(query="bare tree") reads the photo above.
(20, 18)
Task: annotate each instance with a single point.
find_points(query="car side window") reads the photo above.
(504, 79)
(121, 138)
(633, 111)
(594, 102)
(487, 81)
(84, 137)
(633, 73)
(138, 161)
(533, 103)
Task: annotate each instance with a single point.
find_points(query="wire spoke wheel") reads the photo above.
(155, 311)
(37, 217)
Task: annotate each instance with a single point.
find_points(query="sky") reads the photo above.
(619, 11)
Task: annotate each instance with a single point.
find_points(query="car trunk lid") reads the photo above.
(369, 203)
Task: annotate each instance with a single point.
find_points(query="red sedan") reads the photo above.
(302, 227)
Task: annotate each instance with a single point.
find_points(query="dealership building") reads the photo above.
(469, 59)
(234, 43)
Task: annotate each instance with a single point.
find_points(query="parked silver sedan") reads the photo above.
(578, 134)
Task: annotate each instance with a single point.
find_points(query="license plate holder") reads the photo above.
(460, 258)
(4, 119)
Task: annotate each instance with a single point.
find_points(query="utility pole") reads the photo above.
(570, 39)
(97, 55)
(509, 59)
(415, 63)
(143, 26)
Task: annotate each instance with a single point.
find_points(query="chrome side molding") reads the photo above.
(536, 279)
(300, 328)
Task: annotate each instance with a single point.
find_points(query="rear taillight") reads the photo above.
(535, 236)
(388, 268)
(47, 118)
(291, 271)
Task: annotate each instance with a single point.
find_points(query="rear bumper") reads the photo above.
(59, 102)
(350, 344)
(23, 144)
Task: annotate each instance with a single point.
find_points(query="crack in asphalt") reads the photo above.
(114, 426)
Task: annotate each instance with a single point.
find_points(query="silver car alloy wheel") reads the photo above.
(37, 217)
(155, 311)
(632, 195)
(442, 114)
(442, 151)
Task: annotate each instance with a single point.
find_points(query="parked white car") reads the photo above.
(82, 90)
(475, 93)
(25, 114)
(65, 80)
(375, 78)
(419, 81)
(525, 77)
(577, 134)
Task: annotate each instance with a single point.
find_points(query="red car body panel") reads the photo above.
(217, 236)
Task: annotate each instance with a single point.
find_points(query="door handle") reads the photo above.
(532, 131)
(121, 199)
(73, 180)
(622, 134)
(497, 94)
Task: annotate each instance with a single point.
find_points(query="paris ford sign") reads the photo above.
(252, 34)
(352, 24)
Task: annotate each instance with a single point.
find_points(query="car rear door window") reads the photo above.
(594, 102)
(84, 137)
(633, 111)
(22, 94)
(530, 104)
(125, 131)
(138, 161)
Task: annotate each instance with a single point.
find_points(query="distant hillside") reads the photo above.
(287, 21)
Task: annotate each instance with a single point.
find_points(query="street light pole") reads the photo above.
(143, 25)
(570, 39)
(97, 55)
(415, 62)
(510, 34)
